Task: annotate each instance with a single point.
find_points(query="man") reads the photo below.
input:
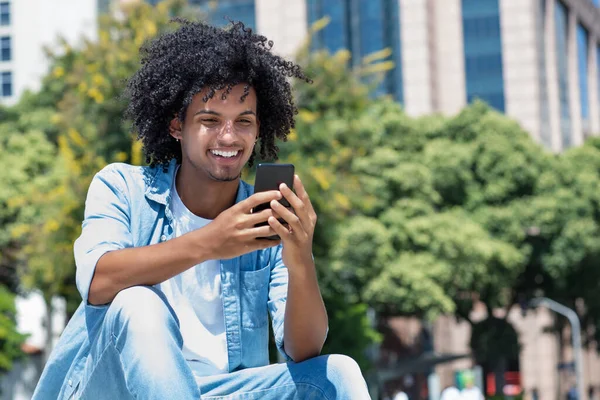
(176, 282)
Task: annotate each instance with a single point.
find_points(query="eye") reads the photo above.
(209, 121)
(245, 121)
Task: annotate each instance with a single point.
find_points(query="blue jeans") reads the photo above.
(136, 354)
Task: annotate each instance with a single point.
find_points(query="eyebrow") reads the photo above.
(247, 112)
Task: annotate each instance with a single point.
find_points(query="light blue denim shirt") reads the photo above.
(128, 206)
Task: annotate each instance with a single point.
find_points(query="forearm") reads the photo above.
(148, 265)
(305, 325)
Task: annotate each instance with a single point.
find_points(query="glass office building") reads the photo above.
(483, 52)
(362, 27)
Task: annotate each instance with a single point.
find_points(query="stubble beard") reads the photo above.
(227, 178)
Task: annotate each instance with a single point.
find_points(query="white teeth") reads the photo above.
(224, 153)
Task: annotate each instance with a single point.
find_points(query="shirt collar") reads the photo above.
(159, 180)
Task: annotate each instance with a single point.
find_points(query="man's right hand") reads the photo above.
(233, 232)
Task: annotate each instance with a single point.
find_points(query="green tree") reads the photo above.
(10, 339)
(426, 216)
(27, 156)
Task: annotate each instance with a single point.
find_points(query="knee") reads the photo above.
(140, 309)
(346, 377)
(344, 369)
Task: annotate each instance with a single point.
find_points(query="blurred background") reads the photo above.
(449, 147)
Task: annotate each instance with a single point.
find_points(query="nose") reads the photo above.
(227, 133)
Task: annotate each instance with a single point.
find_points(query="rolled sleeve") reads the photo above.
(106, 226)
(278, 287)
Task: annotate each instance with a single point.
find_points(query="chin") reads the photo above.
(224, 178)
(228, 179)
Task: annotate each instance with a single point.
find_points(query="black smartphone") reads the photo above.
(268, 177)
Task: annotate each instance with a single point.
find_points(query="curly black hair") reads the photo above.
(179, 64)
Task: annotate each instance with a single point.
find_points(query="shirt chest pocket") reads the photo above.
(254, 296)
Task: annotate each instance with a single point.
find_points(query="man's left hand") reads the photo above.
(297, 237)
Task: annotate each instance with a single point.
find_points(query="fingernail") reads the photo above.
(282, 186)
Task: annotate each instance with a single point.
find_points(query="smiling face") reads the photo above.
(218, 136)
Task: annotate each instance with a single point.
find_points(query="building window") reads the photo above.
(5, 48)
(483, 52)
(4, 13)
(220, 12)
(337, 34)
(6, 84)
(392, 40)
(545, 130)
(562, 34)
(582, 67)
(362, 27)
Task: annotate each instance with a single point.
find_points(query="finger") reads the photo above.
(261, 243)
(266, 243)
(255, 218)
(287, 215)
(302, 194)
(260, 232)
(295, 202)
(275, 215)
(279, 228)
(259, 198)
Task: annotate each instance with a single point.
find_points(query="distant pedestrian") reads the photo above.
(450, 393)
(470, 392)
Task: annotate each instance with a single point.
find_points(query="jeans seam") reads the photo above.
(257, 391)
(113, 341)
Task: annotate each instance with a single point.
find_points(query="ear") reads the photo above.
(175, 128)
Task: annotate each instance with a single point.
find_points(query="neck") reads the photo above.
(202, 195)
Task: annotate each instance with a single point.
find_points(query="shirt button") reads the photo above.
(70, 382)
(163, 238)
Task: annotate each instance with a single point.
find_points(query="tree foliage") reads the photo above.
(422, 216)
(10, 340)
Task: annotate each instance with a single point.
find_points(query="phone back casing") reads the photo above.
(270, 176)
